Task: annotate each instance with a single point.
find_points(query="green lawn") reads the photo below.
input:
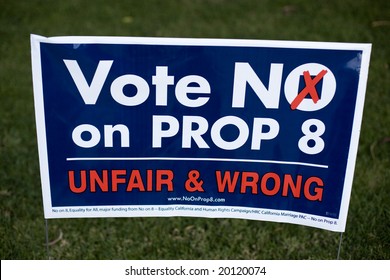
(22, 227)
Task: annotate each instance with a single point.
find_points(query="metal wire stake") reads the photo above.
(47, 239)
(341, 240)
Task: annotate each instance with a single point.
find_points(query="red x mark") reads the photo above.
(309, 89)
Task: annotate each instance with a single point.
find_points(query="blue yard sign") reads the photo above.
(250, 129)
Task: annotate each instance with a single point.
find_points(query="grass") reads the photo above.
(22, 229)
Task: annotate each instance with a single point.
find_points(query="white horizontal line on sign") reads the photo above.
(196, 159)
